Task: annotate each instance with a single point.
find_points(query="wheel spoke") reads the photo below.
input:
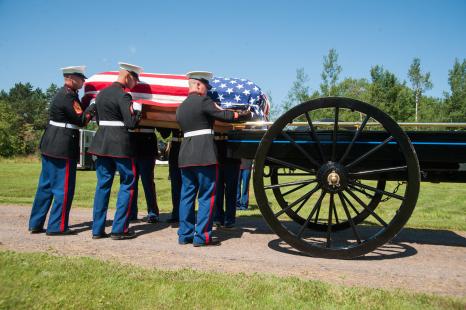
(334, 135)
(371, 151)
(314, 136)
(294, 203)
(350, 219)
(316, 207)
(379, 191)
(294, 189)
(308, 156)
(336, 215)
(302, 205)
(367, 208)
(350, 204)
(366, 173)
(317, 214)
(305, 182)
(356, 135)
(363, 192)
(287, 164)
(329, 223)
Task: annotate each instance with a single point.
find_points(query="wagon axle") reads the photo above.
(333, 177)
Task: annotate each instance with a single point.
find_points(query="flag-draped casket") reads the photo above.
(161, 94)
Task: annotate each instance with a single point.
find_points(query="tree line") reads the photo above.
(23, 117)
(24, 109)
(405, 101)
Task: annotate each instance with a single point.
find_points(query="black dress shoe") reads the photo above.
(68, 232)
(172, 220)
(123, 236)
(211, 243)
(184, 242)
(36, 230)
(151, 219)
(101, 236)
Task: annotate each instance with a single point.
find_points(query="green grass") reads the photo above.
(440, 206)
(43, 281)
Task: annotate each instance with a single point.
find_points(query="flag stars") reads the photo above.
(246, 92)
(255, 88)
(237, 98)
(232, 82)
(229, 91)
(239, 86)
(223, 85)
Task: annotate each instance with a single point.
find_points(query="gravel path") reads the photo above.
(431, 261)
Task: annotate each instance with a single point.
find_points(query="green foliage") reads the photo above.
(299, 91)
(456, 100)
(330, 74)
(419, 81)
(23, 117)
(386, 91)
(10, 142)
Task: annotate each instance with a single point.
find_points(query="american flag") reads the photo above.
(242, 94)
(167, 91)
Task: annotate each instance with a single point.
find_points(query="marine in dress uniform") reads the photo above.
(145, 151)
(242, 201)
(59, 147)
(227, 186)
(116, 113)
(198, 159)
(175, 174)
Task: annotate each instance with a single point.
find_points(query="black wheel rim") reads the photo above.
(337, 181)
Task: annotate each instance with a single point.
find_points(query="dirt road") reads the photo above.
(431, 261)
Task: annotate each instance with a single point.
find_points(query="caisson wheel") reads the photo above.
(333, 201)
(282, 197)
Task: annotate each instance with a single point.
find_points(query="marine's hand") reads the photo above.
(244, 116)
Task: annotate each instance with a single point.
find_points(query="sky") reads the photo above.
(264, 41)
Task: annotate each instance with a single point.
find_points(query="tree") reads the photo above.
(384, 92)
(354, 88)
(419, 81)
(10, 141)
(330, 74)
(456, 100)
(299, 92)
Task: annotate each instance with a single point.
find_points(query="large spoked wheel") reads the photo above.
(337, 173)
(282, 195)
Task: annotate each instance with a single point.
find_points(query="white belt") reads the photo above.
(112, 123)
(63, 125)
(145, 130)
(198, 133)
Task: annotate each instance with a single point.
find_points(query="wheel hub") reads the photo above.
(333, 177)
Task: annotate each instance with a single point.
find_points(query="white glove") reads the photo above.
(137, 106)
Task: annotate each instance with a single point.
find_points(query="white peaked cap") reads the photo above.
(199, 75)
(78, 70)
(130, 67)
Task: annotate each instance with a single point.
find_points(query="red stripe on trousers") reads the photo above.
(212, 203)
(65, 198)
(131, 194)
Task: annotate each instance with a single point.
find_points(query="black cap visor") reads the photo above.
(80, 75)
